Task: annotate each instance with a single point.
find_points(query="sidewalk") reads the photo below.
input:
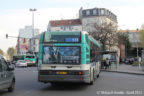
(123, 68)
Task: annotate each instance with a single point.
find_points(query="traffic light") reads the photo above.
(6, 35)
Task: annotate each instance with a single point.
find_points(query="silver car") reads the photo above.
(7, 78)
(21, 63)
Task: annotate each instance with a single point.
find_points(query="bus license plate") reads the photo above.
(61, 73)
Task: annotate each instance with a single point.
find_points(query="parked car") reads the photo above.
(21, 63)
(7, 78)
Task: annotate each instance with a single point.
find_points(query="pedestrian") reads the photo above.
(109, 66)
(104, 64)
(107, 63)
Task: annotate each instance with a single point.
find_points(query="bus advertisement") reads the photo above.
(68, 57)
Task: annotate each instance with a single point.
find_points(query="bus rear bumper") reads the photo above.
(64, 78)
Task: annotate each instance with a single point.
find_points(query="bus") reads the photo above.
(68, 57)
(30, 59)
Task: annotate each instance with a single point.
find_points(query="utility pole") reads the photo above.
(137, 49)
(32, 10)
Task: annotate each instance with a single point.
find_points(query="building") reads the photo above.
(65, 25)
(36, 43)
(24, 39)
(98, 16)
(133, 36)
(90, 17)
(27, 32)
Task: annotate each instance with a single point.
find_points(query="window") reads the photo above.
(88, 21)
(30, 56)
(61, 55)
(70, 28)
(56, 22)
(87, 12)
(4, 65)
(73, 37)
(64, 27)
(107, 12)
(102, 12)
(93, 52)
(70, 22)
(94, 12)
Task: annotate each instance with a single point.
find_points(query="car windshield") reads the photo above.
(61, 55)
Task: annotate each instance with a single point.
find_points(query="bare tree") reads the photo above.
(106, 34)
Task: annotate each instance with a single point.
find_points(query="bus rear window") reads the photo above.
(61, 55)
(29, 56)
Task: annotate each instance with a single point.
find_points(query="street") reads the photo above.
(114, 84)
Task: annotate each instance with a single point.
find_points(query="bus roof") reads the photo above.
(66, 32)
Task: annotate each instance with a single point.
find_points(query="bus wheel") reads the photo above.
(98, 76)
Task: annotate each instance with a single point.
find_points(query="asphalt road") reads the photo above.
(109, 84)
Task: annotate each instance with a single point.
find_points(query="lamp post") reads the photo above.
(33, 10)
(137, 48)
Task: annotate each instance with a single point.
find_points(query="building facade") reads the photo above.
(25, 38)
(65, 25)
(133, 36)
(90, 17)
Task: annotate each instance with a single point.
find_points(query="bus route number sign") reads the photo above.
(72, 39)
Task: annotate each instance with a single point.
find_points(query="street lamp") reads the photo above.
(32, 10)
(136, 34)
(138, 51)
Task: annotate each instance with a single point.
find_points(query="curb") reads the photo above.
(123, 72)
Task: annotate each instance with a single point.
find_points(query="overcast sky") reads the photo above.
(15, 14)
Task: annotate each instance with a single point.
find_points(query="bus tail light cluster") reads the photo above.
(79, 73)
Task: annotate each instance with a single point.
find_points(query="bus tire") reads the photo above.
(95, 75)
(98, 74)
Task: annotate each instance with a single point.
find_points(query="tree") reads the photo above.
(106, 33)
(11, 51)
(1, 52)
(124, 39)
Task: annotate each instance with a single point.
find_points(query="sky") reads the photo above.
(15, 14)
